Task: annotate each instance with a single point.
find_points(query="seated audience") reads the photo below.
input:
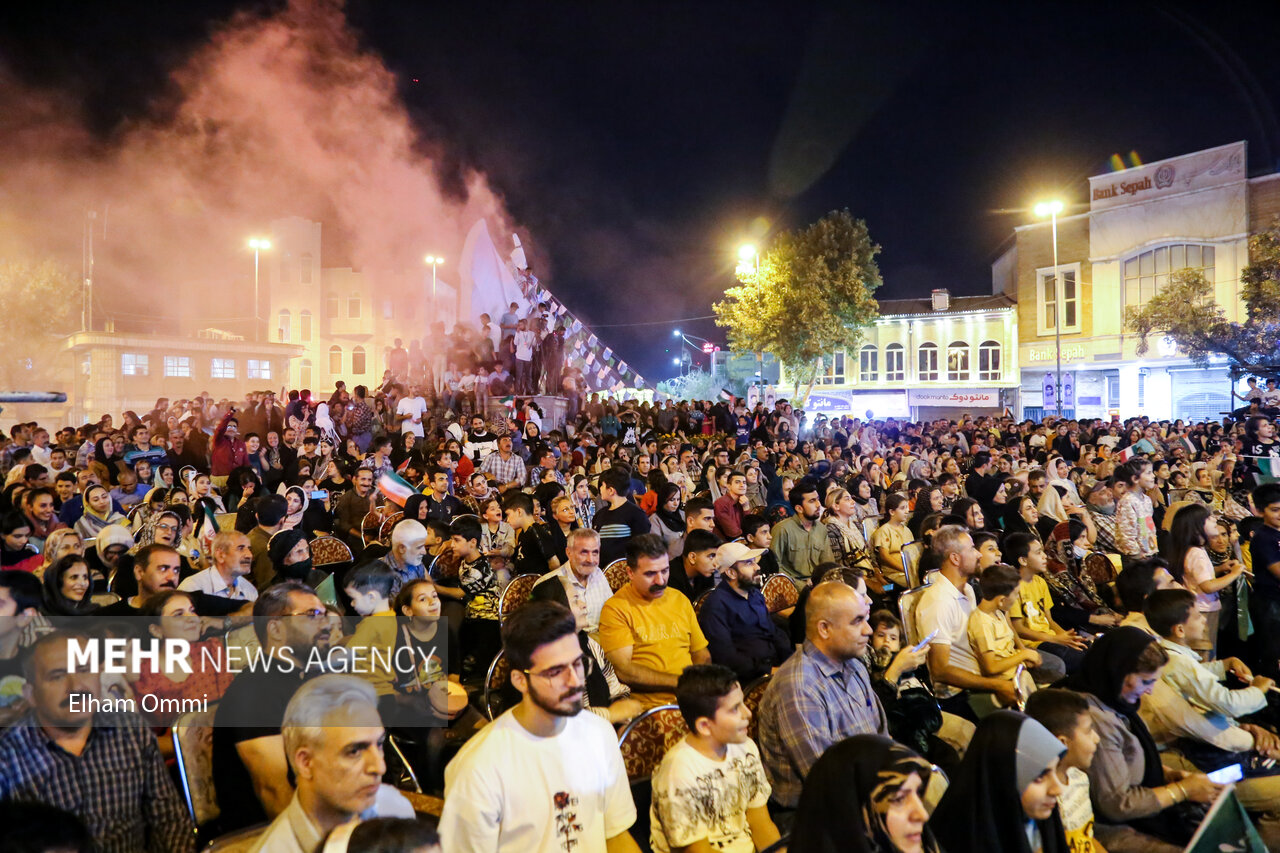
(573, 787)
(820, 695)
(715, 765)
(649, 632)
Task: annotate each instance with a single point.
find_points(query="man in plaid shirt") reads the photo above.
(505, 466)
(821, 695)
(103, 766)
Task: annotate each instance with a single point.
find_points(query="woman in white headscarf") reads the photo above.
(1059, 474)
(324, 423)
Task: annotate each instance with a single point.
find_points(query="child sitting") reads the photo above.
(717, 766)
(998, 648)
(910, 706)
(1066, 716)
(371, 646)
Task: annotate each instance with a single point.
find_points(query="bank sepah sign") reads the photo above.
(955, 397)
(1212, 168)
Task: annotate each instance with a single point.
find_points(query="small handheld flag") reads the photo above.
(395, 487)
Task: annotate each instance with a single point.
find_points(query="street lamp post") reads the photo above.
(1052, 209)
(258, 244)
(434, 261)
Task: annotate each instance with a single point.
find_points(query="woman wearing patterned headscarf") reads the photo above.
(1004, 797)
(864, 796)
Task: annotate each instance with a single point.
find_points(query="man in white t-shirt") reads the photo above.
(410, 411)
(524, 342)
(711, 789)
(544, 776)
(945, 606)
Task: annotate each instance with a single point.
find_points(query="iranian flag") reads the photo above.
(395, 487)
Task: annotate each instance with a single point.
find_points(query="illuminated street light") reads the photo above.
(675, 361)
(675, 333)
(1051, 209)
(258, 244)
(434, 261)
(746, 252)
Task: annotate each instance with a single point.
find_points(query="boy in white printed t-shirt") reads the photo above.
(1066, 715)
(546, 776)
(711, 787)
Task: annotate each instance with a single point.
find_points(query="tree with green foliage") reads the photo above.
(809, 295)
(1186, 312)
(39, 306)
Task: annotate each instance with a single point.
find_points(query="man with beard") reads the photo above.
(649, 632)
(740, 632)
(800, 542)
(480, 441)
(249, 759)
(91, 758)
(572, 791)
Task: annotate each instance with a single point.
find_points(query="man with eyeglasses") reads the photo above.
(248, 750)
(572, 790)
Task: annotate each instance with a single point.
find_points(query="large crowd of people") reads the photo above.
(991, 634)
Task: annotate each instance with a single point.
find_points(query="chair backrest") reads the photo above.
(1102, 568)
(869, 527)
(779, 592)
(515, 595)
(700, 601)
(911, 553)
(496, 679)
(328, 550)
(384, 532)
(938, 784)
(240, 841)
(647, 738)
(751, 696)
(617, 574)
(102, 599)
(907, 610)
(371, 526)
(193, 754)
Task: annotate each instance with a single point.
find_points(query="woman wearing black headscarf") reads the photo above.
(1004, 797)
(290, 556)
(1127, 781)
(415, 507)
(864, 796)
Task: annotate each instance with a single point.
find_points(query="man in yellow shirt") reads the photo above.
(1061, 650)
(649, 632)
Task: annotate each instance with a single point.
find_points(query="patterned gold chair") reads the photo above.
(515, 595)
(328, 551)
(779, 593)
(617, 574)
(647, 738)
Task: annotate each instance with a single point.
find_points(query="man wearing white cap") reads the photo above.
(740, 632)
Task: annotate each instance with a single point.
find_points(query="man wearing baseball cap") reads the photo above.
(740, 633)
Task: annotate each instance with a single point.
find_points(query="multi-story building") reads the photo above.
(925, 358)
(1139, 226)
(344, 321)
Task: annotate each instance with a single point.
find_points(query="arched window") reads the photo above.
(304, 326)
(335, 359)
(868, 363)
(928, 363)
(895, 363)
(284, 326)
(1147, 273)
(958, 362)
(989, 361)
(357, 361)
(304, 373)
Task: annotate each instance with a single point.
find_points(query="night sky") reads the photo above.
(639, 145)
